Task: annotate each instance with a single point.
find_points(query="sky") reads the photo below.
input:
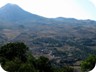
(80, 9)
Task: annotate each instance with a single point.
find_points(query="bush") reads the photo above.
(89, 63)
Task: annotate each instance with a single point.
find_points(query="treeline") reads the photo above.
(16, 57)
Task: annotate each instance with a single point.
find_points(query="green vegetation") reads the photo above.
(64, 69)
(13, 50)
(89, 63)
(16, 57)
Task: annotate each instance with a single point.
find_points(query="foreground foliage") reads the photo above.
(89, 63)
(16, 57)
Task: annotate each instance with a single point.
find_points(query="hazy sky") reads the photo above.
(80, 9)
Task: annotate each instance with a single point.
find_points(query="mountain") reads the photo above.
(13, 13)
(65, 19)
(61, 39)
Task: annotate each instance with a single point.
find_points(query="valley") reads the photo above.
(62, 40)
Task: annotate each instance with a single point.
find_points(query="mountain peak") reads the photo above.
(10, 6)
(12, 12)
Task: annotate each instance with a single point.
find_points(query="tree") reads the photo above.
(63, 69)
(12, 55)
(12, 50)
(89, 63)
(26, 67)
(43, 64)
(13, 65)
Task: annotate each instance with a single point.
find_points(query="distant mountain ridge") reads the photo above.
(14, 13)
(65, 19)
